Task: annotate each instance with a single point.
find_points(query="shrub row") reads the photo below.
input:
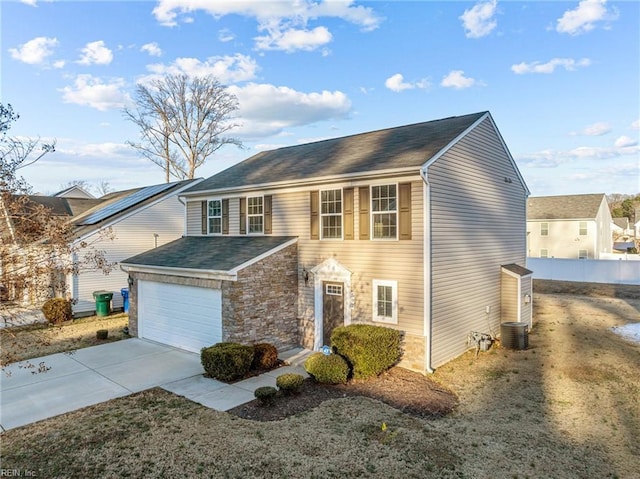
(230, 361)
(57, 310)
(360, 351)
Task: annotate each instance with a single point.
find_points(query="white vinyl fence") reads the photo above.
(586, 270)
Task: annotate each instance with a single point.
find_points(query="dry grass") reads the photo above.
(567, 407)
(33, 341)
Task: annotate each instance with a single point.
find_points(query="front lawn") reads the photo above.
(35, 340)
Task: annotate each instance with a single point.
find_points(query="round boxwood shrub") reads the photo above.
(227, 361)
(266, 394)
(289, 383)
(57, 310)
(265, 356)
(369, 349)
(327, 369)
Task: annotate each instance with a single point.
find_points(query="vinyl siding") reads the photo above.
(194, 218)
(133, 235)
(509, 292)
(478, 223)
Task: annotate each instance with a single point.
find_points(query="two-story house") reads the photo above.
(569, 226)
(419, 228)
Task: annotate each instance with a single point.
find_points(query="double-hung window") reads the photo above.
(384, 211)
(385, 301)
(582, 227)
(331, 214)
(544, 229)
(214, 217)
(255, 214)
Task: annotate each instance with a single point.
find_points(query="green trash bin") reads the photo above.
(103, 302)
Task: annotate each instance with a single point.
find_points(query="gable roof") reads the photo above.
(564, 207)
(74, 191)
(408, 146)
(210, 253)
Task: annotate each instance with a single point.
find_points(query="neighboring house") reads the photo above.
(569, 226)
(120, 224)
(74, 191)
(419, 228)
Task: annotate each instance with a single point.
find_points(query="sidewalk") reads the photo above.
(44, 387)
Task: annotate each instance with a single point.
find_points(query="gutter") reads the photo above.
(426, 248)
(183, 272)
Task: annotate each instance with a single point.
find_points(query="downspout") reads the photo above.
(184, 216)
(426, 254)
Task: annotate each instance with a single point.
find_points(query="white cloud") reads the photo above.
(285, 22)
(396, 83)
(35, 51)
(479, 20)
(597, 129)
(584, 17)
(32, 3)
(568, 64)
(268, 109)
(88, 90)
(636, 125)
(624, 142)
(152, 49)
(96, 53)
(227, 69)
(456, 79)
(294, 39)
(226, 35)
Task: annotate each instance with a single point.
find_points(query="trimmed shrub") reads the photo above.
(331, 369)
(227, 361)
(369, 349)
(289, 383)
(265, 356)
(266, 394)
(57, 310)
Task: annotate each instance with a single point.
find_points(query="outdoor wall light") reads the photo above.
(305, 276)
(130, 281)
(527, 298)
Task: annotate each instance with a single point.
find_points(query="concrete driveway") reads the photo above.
(44, 387)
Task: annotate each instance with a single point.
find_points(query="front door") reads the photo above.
(333, 309)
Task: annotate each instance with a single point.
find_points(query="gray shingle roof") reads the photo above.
(564, 207)
(393, 148)
(517, 269)
(212, 253)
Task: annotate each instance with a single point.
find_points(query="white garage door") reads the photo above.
(186, 317)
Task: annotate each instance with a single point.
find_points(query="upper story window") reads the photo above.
(384, 211)
(214, 217)
(255, 214)
(331, 213)
(544, 229)
(583, 228)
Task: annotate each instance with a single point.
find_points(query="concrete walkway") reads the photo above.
(44, 387)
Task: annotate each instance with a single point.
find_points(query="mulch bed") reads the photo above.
(407, 391)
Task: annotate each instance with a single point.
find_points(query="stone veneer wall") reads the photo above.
(262, 305)
(160, 278)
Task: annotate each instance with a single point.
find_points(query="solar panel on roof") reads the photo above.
(126, 202)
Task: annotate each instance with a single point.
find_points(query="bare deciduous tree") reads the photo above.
(38, 248)
(183, 121)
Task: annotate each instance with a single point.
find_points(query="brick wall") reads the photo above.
(261, 306)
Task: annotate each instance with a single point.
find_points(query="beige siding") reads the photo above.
(477, 225)
(526, 288)
(133, 235)
(194, 218)
(367, 260)
(509, 303)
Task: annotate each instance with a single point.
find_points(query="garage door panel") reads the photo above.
(186, 317)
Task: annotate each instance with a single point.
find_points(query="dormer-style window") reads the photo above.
(331, 213)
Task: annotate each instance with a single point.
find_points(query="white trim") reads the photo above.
(305, 184)
(134, 211)
(329, 270)
(247, 216)
(394, 301)
(426, 253)
(188, 272)
(209, 217)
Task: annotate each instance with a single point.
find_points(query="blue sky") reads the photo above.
(561, 79)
